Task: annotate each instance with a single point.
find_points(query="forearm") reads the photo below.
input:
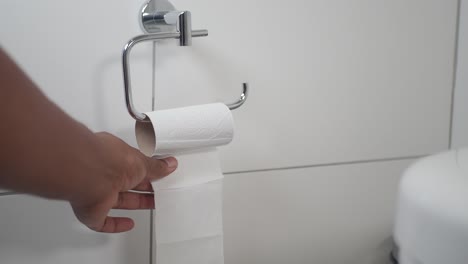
(43, 150)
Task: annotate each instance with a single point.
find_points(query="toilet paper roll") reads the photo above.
(203, 250)
(188, 215)
(194, 168)
(182, 130)
(188, 222)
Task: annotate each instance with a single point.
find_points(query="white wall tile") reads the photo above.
(460, 121)
(327, 215)
(330, 80)
(35, 230)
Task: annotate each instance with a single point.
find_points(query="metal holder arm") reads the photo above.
(168, 24)
(126, 65)
(242, 98)
(126, 70)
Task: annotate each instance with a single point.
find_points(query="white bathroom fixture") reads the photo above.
(432, 213)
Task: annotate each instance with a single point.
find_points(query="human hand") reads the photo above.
(125, 169)
(51, 155)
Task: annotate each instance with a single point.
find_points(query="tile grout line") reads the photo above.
(454, 75)
(153, 92)
(329, 164)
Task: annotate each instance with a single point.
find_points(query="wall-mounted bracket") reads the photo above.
(160, 20)
(159, 16)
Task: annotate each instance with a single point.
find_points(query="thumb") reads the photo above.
(158, 168)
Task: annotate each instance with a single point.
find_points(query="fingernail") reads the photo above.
(171, 162)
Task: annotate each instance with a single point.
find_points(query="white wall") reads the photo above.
(344, 95)
(332, 81)
(460, 121)
(336, 214)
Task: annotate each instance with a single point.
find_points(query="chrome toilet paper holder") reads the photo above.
(160, 20)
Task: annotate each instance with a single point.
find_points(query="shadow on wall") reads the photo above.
(35, 224)
(380, 255)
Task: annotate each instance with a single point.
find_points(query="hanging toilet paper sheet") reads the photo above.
(188, 214)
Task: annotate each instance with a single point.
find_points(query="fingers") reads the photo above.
(133, 201)
(144, 186)
(117, 225)
(158, 168)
